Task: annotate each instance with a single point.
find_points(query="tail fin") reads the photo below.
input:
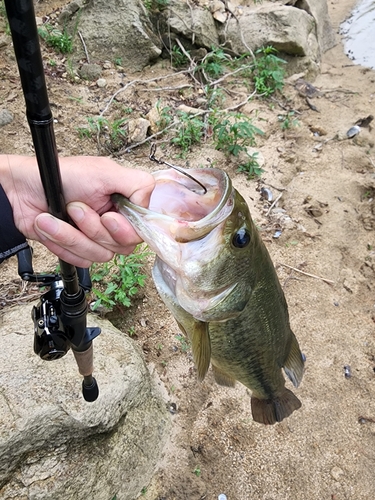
(270, 411)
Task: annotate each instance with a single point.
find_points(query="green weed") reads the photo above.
(165, 117)
(213, 64)
(288, 120)
(113, 134)
(251, 167)
(184, 345)
(61, 41)
(190, 131)
(157, 5)
(118, 280)
(197, 471)
(3, 15)
(269, 72)
(235, 133)
(179, 59)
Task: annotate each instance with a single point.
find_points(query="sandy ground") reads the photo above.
(326, 450)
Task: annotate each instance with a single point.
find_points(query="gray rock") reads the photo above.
(128, 30)
(324, 31)
(137, 130)
(288, 29)
(54, 445)
(90, 71)
(102, 82)
(5, 117)
(121, 28)
(196, 24)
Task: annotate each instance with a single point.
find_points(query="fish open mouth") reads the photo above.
(181, 197)
(181, 205)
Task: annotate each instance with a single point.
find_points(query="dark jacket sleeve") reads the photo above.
(11, 240)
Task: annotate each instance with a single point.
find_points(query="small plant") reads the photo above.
(3, 14)
(118, 61)
(118, 280)
(114, 133)
(235, 133)
(251, 167)
(131, 331)
(61, 41)
(215, 96)
(213, 64)
(179, 59)
(157, 5)
(165, 118)
(288, 120)
(190, 131)
(197, 471)
(268, 73)
(184, 346)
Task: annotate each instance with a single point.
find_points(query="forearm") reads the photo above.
(11, 240)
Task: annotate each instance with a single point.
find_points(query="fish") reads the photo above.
(215, 275)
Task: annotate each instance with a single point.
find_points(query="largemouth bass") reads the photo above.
(215, 275)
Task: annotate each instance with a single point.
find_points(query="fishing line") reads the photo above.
(175, 167)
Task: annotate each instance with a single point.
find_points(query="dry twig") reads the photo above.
(330, 282)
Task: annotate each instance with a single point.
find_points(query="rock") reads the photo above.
(154, 117)
(128, 30)
(55, 445)
(184, 108)
(69, 10)
(102, 82)
(318, 9)
(3, 42)
(288, 29)
(137, 130)
(120, 27)
(5, 117)
(196, 24)
(90, 71)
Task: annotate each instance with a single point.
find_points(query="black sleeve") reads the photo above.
(11, 240)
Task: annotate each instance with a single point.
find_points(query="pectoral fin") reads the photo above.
(194, 329)
(200, 344)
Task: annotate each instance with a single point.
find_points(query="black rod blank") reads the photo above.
(25, 37)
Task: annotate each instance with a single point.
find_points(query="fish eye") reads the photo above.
(241, 238)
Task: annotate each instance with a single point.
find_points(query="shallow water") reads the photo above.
(359, 34)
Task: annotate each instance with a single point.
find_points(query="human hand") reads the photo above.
(88, 183)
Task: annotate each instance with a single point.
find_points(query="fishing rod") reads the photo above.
(60, 316)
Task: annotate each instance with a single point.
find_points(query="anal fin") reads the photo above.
(222, 378)
(270, 411)
(294, 364)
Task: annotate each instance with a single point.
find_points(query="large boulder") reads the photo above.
(54, 445)
(114, 29)
(300, 29)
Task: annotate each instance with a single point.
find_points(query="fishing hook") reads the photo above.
(152, 157)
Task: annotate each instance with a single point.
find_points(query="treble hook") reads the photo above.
(179, 169)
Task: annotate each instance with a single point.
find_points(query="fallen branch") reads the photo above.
(133, 82)
(308, 274)
(84, 47)
(274, 203)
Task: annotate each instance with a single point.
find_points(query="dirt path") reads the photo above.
(326, 450)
